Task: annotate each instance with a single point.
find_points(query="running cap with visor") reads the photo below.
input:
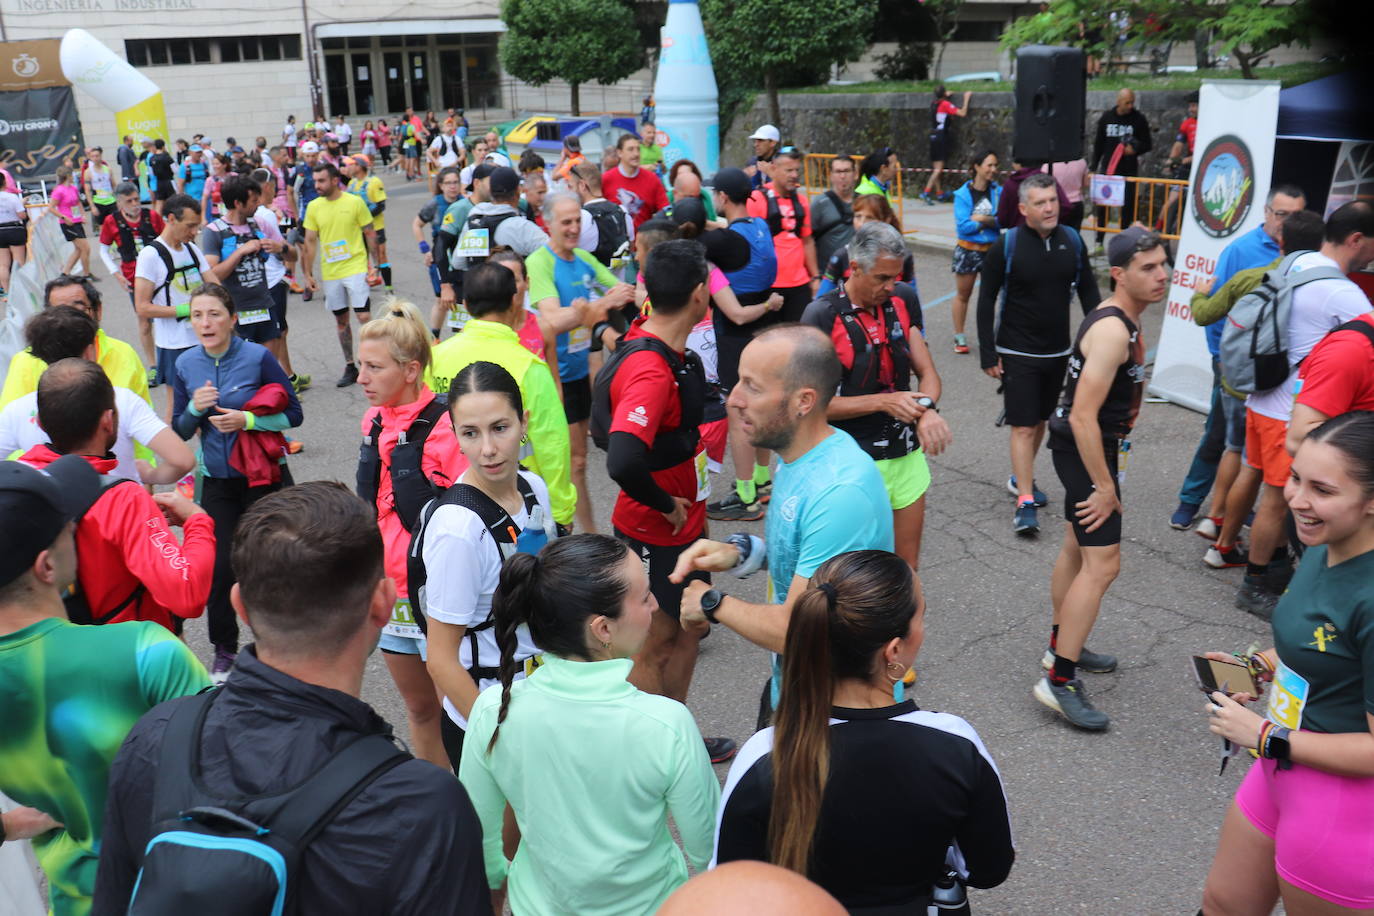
(35, 506)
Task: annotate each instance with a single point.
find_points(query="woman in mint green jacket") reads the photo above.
(591, 765)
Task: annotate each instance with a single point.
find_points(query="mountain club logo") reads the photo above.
(1225, 187)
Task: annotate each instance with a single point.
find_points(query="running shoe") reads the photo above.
(307, 295)
(1255, 597)
(1278, 575)
(153, 378)
(1184, 516)
(1025, 522)
(300, 382)
(294, 446)
(349, 377)
(223, 664)
(929, 201)
(1219, 557)
(734, 509)
(720, 749)
(1088, 660)
(960, 343)
(1037, 494)
(295, 287)
(1071, 701)
(763, 491)
(945, 197)
(1209, 527)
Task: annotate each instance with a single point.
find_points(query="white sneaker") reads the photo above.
(1209, 528)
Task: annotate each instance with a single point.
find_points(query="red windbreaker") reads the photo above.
(124, 540)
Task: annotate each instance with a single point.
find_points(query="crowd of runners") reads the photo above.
(674, 326)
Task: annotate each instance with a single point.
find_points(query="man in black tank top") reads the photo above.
(1088, 441)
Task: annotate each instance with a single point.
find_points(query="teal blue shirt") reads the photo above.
(592, 767)
(829, 501)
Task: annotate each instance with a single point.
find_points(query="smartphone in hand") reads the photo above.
(1227, 676)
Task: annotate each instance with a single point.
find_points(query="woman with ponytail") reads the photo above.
(591, 766)
(493, 511)
(409, 453)
(854, 786)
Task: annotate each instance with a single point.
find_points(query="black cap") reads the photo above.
(504, 180)
(1124, 245)
(34, 507)
(726, 249)
(480, 171)
(734, 184)
(689, 210)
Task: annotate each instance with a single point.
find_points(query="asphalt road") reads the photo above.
(1105, 823)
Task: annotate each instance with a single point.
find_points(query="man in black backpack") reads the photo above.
(832, 214)
(404, 838)
(649, 401)
(1024, 341)
(606, 227)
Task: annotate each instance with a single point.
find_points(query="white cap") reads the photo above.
(309, 146)
(766, 132)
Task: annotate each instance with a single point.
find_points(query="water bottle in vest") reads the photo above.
(949, 897)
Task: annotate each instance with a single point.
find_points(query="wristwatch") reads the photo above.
(927, 403)
(710, 601)
(1276, 745)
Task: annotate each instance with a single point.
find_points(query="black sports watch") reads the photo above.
(1277, 746)
(927, 403)
(710, 601)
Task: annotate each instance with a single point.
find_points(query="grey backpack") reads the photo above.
(1254, 340)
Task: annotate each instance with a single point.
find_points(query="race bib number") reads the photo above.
(334, 252)
(703, 476)
(458, 316)
(579, 340)
(254, 316)
(402, 621)
(1287, 697)
(475, 243)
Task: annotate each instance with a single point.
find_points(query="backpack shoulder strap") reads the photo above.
(1357, 325)
(496, 518)
(1008, 251)
(174, 784)
(334, 785)
(424, 423)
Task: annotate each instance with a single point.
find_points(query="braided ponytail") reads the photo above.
(510, 607)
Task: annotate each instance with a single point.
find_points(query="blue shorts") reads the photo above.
(1233, 410)
(402, 645)
(167, 363)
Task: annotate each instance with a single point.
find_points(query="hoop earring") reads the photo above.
(898, 683)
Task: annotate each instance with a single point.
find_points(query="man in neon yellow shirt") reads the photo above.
(339, 224)
(117, 358)
(496, 308)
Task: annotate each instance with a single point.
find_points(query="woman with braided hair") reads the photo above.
(591, 765)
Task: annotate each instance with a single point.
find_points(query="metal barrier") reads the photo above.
(1159, 203)
(816, 180)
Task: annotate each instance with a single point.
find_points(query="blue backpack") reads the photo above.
(239, 857)
(1009, 251)
(762, 269)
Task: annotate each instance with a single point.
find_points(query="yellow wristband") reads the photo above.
(250, 419)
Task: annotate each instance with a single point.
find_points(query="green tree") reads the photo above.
(763, 40)
(580, 41)
(1249, 29)
(944, 15)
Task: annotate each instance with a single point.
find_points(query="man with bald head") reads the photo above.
(750, 889)
(1126, 128)
(828, 496)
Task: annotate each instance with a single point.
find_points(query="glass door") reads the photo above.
(360, 69)
(394, 67)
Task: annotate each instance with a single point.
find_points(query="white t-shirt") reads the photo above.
(343, 132)
(19, 429)
(288, 133)
(172, 333)
(447, 148)
(271, 228)
(11, 207)
(1317, 308)
(463, 568)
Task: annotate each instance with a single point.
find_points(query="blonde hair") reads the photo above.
(403, 328)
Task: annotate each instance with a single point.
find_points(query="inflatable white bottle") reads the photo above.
(685, 98)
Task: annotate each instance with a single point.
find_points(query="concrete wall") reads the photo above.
(859, 123)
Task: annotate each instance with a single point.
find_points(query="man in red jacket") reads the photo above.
(130, 566)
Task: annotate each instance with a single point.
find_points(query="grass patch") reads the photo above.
(1288, 75)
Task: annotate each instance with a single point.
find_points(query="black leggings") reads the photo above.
(385, 152)
(453, 739)
(225, 499)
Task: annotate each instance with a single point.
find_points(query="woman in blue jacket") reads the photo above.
(975, 221)
(228, 388)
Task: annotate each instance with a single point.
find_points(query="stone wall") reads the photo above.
(857, 124)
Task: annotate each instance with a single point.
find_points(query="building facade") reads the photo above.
(240, 70)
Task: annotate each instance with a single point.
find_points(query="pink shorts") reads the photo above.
(1320, 825)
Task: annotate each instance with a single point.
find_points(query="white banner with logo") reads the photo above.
(1226, 192)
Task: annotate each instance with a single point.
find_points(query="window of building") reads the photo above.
(163, 52)
(381, 75)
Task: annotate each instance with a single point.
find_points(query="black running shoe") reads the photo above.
(720, 749)
(734, 509)
(350, 376)
(1071, 701)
